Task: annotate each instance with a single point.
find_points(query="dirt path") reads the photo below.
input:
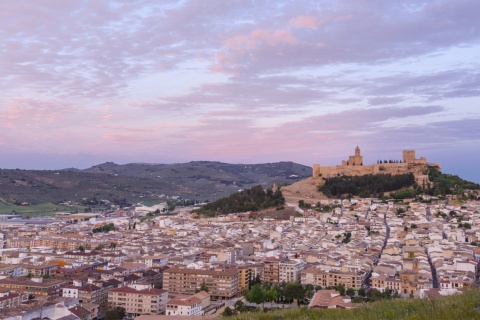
(303, 190)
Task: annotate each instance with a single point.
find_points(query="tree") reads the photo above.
(350, 292)
(239, 306)
(255, 295)
(294, 290)
(279, 291)
(112, 245)
(270, 295)
(114, 314)
(227, 312)
(203, 287)
(361, 292)
(80, 248)
(309, 290)
(340, 288)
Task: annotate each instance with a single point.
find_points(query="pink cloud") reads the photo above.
(310, 22)
(260, 36)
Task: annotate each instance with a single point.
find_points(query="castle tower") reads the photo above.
(409, 156)
(357, 159)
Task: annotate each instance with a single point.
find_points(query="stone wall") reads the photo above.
(416, 166)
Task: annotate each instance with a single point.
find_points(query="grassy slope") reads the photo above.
(46, 209)
(462, 306)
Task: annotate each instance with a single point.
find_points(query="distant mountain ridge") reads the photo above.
(199, 180)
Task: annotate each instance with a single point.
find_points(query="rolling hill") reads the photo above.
(199, 180)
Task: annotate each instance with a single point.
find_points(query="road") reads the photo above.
(435, 282)
(377, 259)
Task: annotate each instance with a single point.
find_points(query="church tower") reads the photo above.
(357, 152)
(357, 159)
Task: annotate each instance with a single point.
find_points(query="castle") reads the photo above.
(354, 167)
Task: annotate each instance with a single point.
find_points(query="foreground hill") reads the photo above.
(253, 199)
(137, 182)
(462, 306)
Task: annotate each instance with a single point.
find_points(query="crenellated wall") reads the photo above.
(354, 167)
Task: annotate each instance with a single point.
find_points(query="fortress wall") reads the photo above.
(354, 168)
(385, 168)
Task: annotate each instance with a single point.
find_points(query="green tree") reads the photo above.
(239, 306)
(350, 292)
(361, 292)
(279, 291)
(115, 314)
(203, 287)
(340, 288)
(309, 290)
(270, 294)
(255, 294)
(227, 312)
(294, 290)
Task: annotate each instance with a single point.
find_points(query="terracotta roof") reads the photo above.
(329, 299)
(184, 302)
(143, 291)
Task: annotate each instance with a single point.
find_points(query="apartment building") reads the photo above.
(271, 270)
(11, 299)
(244, 277)
(331, 278)
(42, 270)
(184, 307)
(290, 271)
(35, 286)
(222, 284)
(139, 301)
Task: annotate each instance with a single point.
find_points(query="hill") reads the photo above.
(462, 306)
(252, 199)
(135, 182)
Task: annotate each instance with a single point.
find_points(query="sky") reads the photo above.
(84, 82)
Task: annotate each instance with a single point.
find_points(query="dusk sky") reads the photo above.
(84, 82)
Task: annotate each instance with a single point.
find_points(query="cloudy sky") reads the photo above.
(83, 82)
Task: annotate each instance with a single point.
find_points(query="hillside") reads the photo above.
(253, 199)
(137, 182)
(463, 306)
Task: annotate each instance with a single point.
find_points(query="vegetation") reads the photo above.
(203, 287)
(446, 183)
(115, 313)
(105, 228)
(252, 199)
(366, 185)
(43, 209)
(462, 306)
(399, 186)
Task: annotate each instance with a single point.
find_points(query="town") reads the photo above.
(79, 265)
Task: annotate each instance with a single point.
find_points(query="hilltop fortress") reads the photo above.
(354, 167)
